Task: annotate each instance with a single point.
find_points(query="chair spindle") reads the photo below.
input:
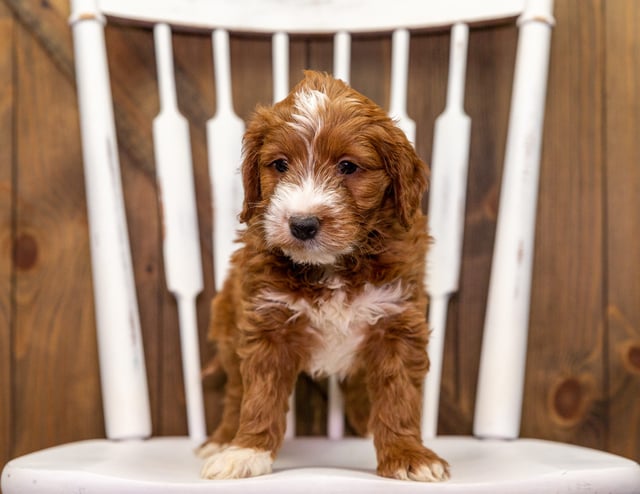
(447, 197)
(181, 239)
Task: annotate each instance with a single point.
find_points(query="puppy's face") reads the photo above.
(321, 167)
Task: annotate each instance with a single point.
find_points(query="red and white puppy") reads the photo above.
(329, 280)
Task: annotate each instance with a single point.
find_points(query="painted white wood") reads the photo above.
(290, 430)
(181, 238)
(503, 358)
(447, 198)
(122, 367)
(399, 83)
(294, 16)
(322, 466)
(191, 369)
(342, 56)
(224, 139)
(335, 409)
(438, 305)
(335, 399)
(280, 56)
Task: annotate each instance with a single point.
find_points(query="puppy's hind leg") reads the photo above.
(226, 430)
(222, 330)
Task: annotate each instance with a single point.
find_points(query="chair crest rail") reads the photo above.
(304, 17)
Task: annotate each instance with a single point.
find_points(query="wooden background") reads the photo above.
(583, 373)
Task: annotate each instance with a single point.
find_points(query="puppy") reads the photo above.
(329, 280)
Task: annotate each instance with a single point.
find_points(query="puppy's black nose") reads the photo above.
(304, 227)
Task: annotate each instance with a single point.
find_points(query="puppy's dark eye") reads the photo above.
(281, 165)
(347, 167)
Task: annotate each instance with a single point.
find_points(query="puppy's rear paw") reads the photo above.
(236, 463)
(422, 465)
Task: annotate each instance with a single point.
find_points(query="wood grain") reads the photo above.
(583, 377)
(565, 388)
(622, 124)
(133, 80)
(56, 374)
(48, 23)
(7, 108)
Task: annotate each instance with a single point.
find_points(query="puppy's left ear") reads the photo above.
(409, 175)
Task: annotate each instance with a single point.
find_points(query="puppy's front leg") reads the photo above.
(396, 365)
(269, 369)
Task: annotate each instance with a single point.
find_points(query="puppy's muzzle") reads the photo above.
(304, 227)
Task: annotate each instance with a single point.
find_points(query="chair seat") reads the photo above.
(310, 465)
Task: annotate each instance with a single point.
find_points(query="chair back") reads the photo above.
(123, 375)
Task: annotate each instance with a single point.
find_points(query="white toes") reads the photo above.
(429, 472)
(401, 474)
(436, 471)
(234, 463)
(440, 471)
(210, 449)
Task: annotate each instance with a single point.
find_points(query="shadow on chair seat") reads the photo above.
(310, 465)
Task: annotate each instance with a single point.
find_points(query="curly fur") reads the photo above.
(350, 299)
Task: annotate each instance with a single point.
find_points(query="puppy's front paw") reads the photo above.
(209, 449)
(236, 463)
(422, 465)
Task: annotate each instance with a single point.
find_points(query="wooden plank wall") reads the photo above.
(567, 331)
(7, 25)
(622, 124)
(583, 372)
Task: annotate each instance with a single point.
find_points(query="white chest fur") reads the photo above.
(339, 321)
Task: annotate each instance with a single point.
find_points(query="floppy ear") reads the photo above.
(251, 144)
(409, 174)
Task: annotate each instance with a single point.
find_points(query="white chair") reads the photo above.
(495, 460)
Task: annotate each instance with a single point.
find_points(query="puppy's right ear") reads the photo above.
(250, 168)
